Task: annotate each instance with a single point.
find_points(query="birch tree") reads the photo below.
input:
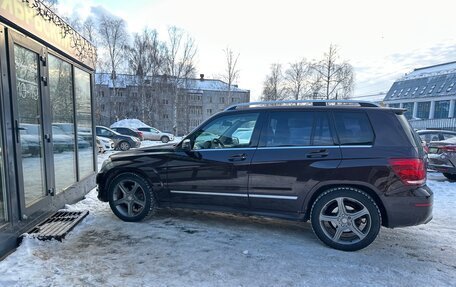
(336, 75)
(180, 52)
(231, 69)
(113, 40)
(273, 89)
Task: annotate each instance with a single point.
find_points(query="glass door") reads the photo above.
(32, 138)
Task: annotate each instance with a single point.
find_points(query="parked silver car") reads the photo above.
(442, 157)
(155, 135)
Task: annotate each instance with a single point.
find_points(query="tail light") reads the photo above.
(447, 148)
(411, 171)
(141, 134)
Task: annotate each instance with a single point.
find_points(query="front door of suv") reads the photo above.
(297, 149)
(215, 171)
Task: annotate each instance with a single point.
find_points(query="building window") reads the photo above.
(414, 91)
(394, 93)
(165, 116)
(408, 90)
(441, 88)
(61, 96)
(84, 122)
(209, 111)
(450, 87)
(422, 90)
(423, 110)
(222, 100)
(442, 109)
(409, 107)
(432, 89)
(3, 209)
(394, 105)
(210, 100)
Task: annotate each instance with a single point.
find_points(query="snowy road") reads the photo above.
(185, 248)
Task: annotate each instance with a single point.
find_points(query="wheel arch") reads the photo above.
(152, 177)
(308, 204)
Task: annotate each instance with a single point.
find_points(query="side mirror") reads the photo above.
(187, 145)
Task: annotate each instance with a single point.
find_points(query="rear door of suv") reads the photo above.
(297, 148)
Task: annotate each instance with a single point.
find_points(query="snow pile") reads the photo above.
(192, 248)
(129, 123)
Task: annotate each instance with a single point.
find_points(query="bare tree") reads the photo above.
(273, 89)
(336, 76)
(145, 59)
(180, 51)
(113, 40)
(297, 79)
(231, 72)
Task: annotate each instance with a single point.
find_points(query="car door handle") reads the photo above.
(238, 157)
(318, 154)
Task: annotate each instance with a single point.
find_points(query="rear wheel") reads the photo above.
(450, 176)
(165, 139)
(345, 218)
(131, 197)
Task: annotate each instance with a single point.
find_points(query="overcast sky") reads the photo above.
(381, 39)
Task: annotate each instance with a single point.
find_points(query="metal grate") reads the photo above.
(58, 225)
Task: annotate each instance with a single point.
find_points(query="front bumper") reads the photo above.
(409, 208)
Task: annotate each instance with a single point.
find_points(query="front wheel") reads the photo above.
(165, 139)
(450, 176)
(345, 218)
(131, 197)
(123, 146)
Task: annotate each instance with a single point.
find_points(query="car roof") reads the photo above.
(435, 131)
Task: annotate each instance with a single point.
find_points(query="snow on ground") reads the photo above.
(192, 248)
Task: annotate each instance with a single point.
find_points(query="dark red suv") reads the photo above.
(348, 167)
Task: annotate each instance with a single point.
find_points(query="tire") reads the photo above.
(165, 139)
(124, 145)
(131, 197)
(450, 176)
(344, 231)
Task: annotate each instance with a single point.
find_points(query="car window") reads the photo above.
(448, 136)
(104, 132)
(297, 129)
(353, 128)
(233, 131)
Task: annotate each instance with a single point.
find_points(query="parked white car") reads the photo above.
(153, 134)
(104, 144)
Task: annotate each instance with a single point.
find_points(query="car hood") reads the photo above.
(168, 148)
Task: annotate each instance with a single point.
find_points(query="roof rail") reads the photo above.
(313, 102)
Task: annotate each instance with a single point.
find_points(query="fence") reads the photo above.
(434, 124)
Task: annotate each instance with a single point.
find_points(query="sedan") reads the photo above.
(155, 135)
(129, 132)
(442, 157)
(122, 142)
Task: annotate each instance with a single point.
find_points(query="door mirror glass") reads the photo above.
(187, 145)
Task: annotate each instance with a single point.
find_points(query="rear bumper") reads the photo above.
(441, 162)
(442, 168)
(409, 208)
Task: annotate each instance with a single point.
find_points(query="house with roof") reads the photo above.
(428, 94)
(169, 104)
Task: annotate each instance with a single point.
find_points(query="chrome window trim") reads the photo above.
(209, 193)
(316, 147)
(235, 194)
(289, 197)
(219, 149)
